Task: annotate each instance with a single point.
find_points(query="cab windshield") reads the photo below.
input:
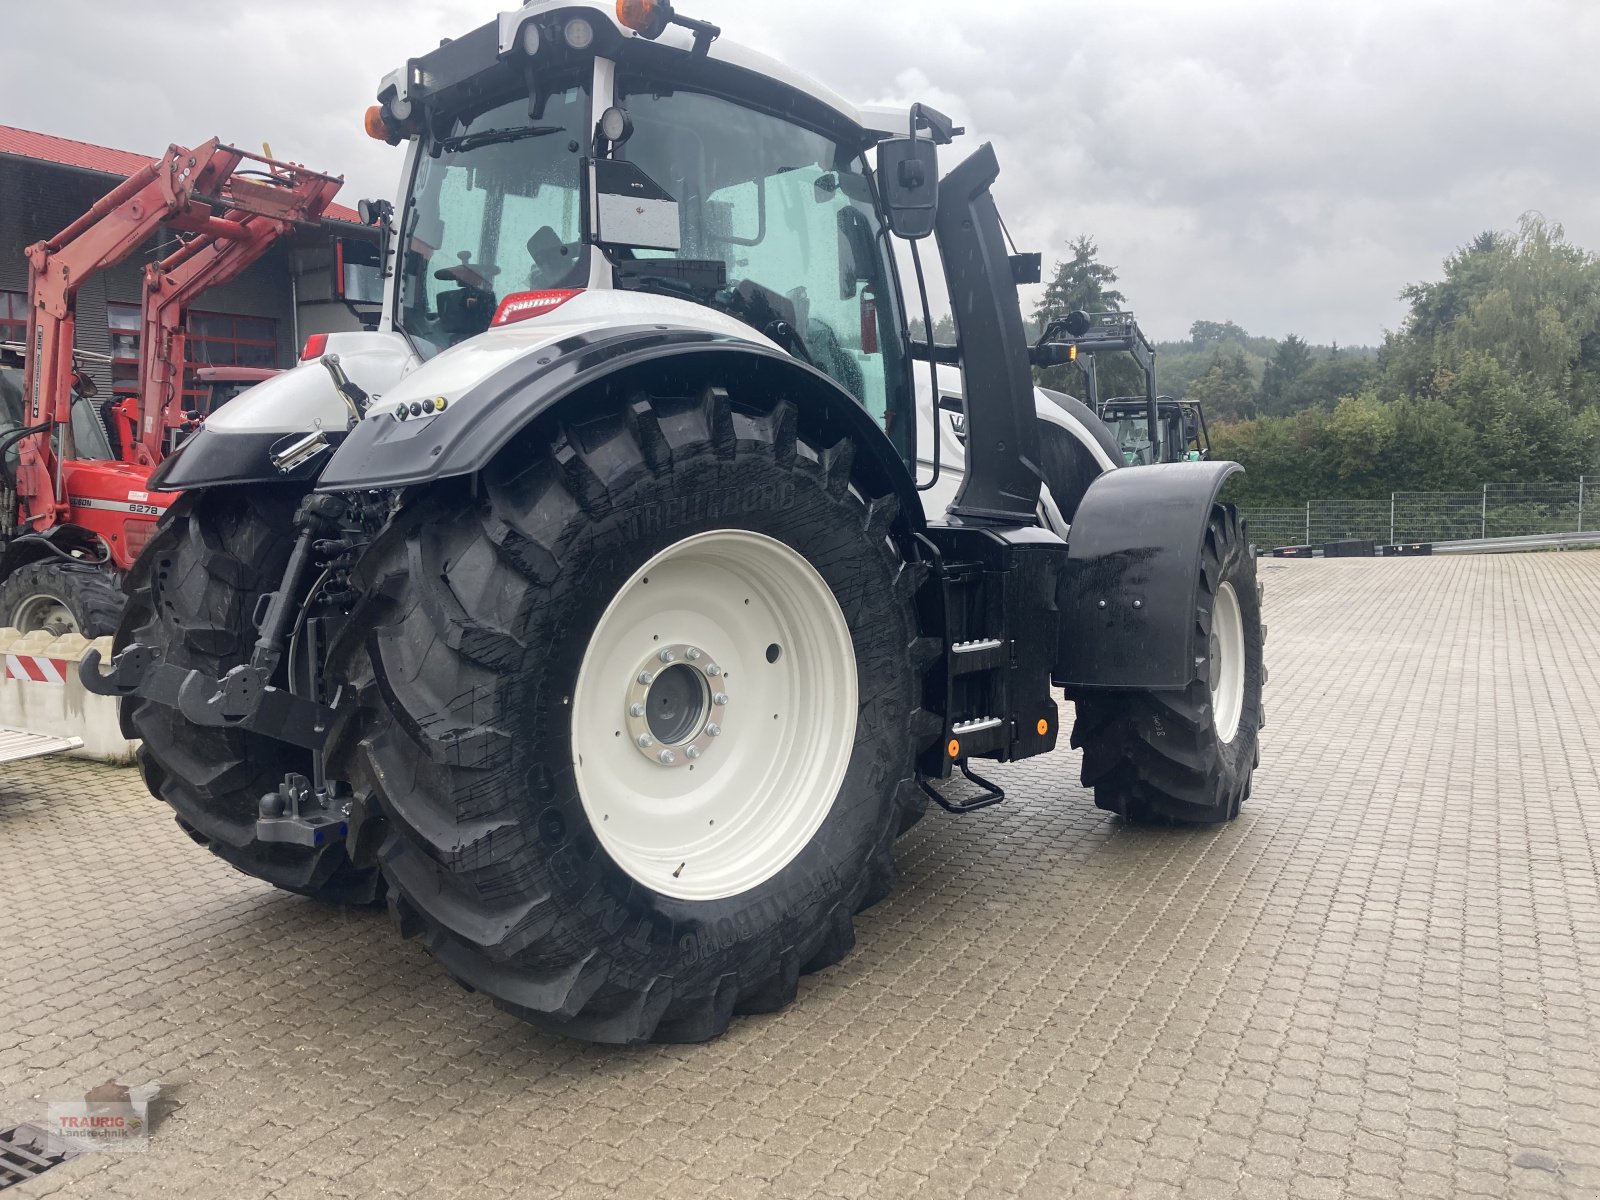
(1130, 426)
(787, 214)
(495, 209)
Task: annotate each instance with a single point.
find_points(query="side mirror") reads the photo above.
(908, 177)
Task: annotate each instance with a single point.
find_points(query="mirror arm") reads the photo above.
(946, 353)
(933, 372)
(941, 129)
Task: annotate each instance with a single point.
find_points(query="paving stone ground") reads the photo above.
(1382, 981)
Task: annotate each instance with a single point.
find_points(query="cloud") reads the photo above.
(1289, 167)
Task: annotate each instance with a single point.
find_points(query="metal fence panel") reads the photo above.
(1437, 516)
(1269, 527)
(1494, 510)
(1515, 509)
(1334, 520)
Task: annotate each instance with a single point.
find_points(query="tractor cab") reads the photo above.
(564, 160)
(88, 434)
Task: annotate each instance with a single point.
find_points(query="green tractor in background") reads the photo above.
(1148, 428)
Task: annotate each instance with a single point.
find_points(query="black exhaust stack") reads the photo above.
(1001, 486)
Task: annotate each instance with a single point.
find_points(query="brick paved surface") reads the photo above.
(1383, 980)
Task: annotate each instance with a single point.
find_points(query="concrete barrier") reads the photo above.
(40, 692)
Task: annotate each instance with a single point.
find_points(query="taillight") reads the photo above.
(869, 322)
(519, 306)
(316, 347)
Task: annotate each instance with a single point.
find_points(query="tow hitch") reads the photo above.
(245, 697)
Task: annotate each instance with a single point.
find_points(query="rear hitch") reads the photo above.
(244, 698)
(241, 699)
(134, 672)
(301, 814)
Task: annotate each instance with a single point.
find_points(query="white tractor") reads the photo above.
(589, 608)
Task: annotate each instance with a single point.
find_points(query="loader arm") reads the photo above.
(166, 191)
(195, 192)
(294, 196)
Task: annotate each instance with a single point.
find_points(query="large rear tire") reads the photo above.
(1187, 756)
(192, 594)
(565, 830)
(62, 597)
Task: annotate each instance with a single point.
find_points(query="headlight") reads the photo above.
(615, 125)
(579, 33)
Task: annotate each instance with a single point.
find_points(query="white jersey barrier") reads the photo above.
(40, 692)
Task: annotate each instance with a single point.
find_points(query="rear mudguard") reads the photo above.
(1126, 598)
(387, 450)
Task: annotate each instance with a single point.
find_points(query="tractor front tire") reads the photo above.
(61, 596)
(1186, 756)
(644, 709)
(192, 594)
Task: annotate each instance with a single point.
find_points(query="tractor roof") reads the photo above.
(756, 71)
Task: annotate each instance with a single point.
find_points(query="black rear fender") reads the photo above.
(384, 451)
(1127, 594)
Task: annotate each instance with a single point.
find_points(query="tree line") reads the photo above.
(1493, 376)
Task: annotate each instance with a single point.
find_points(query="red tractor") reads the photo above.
(76, 509)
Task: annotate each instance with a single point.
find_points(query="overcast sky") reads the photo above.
(1286, 164)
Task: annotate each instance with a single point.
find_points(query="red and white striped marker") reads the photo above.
(33, 669)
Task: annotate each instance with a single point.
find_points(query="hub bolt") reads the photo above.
(666, 656)
(692, 752)
(667, 757)
(636, 710)
(713, 670)
(646, 741)
(645, 677)
(713, 730)
(691, 654)
(720, 698)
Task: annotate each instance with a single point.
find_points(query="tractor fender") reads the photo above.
(1075, 447)
(386, 450)
(1080, 423)
(1127, 594)
(235, 443)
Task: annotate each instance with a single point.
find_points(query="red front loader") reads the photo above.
(76, 509)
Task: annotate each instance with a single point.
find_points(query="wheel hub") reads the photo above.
(676, 706)
(44, 611)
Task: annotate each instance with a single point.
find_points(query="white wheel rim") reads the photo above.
(1227, 662)
(720, 821)
(44, 611)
